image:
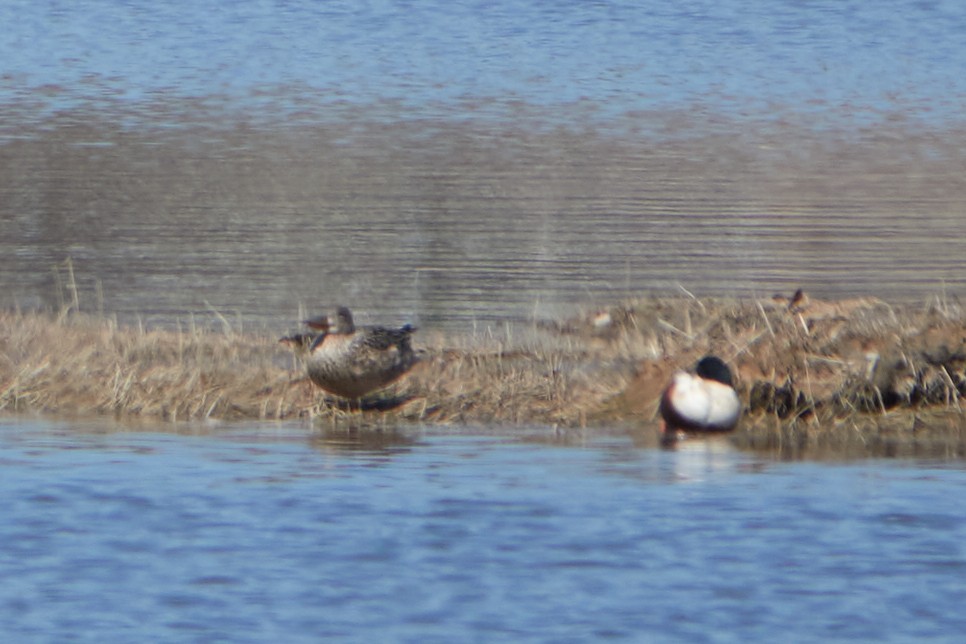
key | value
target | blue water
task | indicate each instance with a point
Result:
(829, 60)
(285, 533)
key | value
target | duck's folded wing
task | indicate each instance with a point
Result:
(382, 339)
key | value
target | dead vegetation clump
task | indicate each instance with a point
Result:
(809, 373)
(78, 364)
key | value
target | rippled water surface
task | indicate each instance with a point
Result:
(282, 532)
(612, 57)
(454, 163)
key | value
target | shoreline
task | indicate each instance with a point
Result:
(855, 374)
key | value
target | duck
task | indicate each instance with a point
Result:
(705, 401)
(351, 361)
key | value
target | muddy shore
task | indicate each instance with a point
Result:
(850, 375)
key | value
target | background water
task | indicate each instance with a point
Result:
(452, 163)
(269, 532)
(435, 58)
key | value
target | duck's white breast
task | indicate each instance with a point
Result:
(724, 406)
(690, 399)
(705, 403)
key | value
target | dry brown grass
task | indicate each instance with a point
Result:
(485, 380)
(811, 373)
(80, 364)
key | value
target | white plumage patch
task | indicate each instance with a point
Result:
(704, 403)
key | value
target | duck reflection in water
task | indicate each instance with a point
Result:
(373, 442)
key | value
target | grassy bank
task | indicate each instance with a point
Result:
(859, 372)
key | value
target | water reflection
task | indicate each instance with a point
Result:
(471, 224)
(381, 444)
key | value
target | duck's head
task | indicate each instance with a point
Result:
(713, 368)
(339, 321)
(318, 323)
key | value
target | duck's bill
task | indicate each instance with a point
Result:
(320, 323)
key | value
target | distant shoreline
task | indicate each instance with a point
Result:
(848, 374)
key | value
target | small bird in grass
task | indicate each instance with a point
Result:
(703, 402)
(351, 361)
